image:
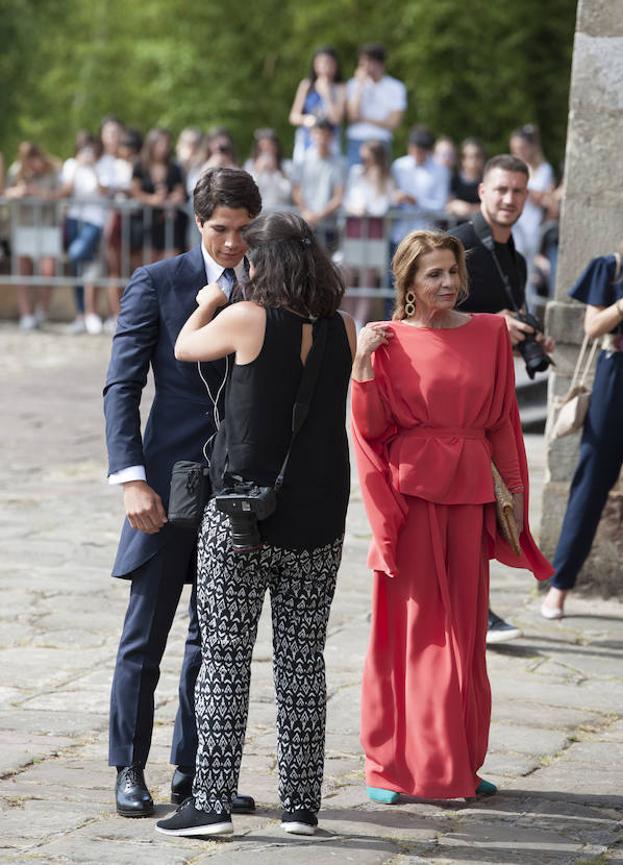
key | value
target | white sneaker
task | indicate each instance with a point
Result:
(77, 326)
(110, 325)
(93, 324)
(28, 322)
(40, 316)
(551, 612)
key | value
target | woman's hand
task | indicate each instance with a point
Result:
(518, 510)
(213, 295)
(370, 338)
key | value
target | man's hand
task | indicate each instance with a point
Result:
(518, 329)
(143, 507)
(403, 198)
(548, 342)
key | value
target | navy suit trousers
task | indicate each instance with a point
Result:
(601, 457)
(154, 596)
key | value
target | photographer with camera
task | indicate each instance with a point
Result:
(497, 282)
(281, 477)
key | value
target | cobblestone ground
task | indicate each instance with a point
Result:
(556, 739)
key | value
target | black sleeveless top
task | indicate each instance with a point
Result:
(311, 509)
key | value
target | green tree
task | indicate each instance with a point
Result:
(477, 68)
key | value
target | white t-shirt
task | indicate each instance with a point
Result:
(363, 197)
(378, 100)
(84, 182)
(527, 229)
(114, 174)
(318, 178)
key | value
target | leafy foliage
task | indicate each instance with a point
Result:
(473, 67)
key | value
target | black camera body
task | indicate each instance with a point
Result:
(532, 352)
(246, 504)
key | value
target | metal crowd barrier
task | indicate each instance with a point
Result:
(36, 228)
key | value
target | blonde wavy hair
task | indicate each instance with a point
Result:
(405, 263)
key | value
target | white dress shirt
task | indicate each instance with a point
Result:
(214, 272)
(428, 183)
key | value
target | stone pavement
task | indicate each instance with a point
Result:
(556, 739)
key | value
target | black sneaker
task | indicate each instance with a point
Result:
(301, 822)
(500, 631)
(189, 821)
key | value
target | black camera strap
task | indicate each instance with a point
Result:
(305, 393)
(483, 232)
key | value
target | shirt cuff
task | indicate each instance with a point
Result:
(132, 473)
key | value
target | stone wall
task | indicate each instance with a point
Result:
(591, 224)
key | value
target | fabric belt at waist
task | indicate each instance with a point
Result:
(445, 432)
(612, 342)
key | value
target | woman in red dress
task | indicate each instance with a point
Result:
(433, 406)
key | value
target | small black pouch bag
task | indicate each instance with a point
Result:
(189, 494)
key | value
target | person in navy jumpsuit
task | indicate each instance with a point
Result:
(601, 450)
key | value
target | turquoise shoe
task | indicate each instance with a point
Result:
(486, 788)
(387, 797)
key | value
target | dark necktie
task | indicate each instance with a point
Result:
(227, 280)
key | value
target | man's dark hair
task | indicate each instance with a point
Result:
(507, 163)
(324, 124)
(420, 136)
(226, 187)
(290, 268)
(132, 139)
(373, 50)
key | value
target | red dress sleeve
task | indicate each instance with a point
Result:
(374, 428)
(372, 413)
(509, 454)
(501, 433)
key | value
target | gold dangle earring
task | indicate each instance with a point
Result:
(409, 304)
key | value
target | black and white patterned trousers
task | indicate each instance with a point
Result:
(230, 593)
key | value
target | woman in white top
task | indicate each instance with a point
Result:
(115, 177)
(525, 144)
(270, 171)
(369, 192)
(35, 231)
(84, 225)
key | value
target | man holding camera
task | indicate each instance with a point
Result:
(497, 282)
(157, 557)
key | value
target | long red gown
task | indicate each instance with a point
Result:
(441, 407)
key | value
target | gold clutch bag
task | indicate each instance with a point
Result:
(505, 512)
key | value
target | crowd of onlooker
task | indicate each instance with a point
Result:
(342, 177)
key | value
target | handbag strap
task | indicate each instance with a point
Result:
(307, 386)
(617, 269)
(582, 368)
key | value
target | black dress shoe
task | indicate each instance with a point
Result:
(131, 794)
(182, 788)
(242, 804)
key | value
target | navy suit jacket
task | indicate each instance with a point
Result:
(156, 303)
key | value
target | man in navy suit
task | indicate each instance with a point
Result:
(159, 558)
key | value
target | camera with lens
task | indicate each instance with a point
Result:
(246, 504)
(532, 352)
